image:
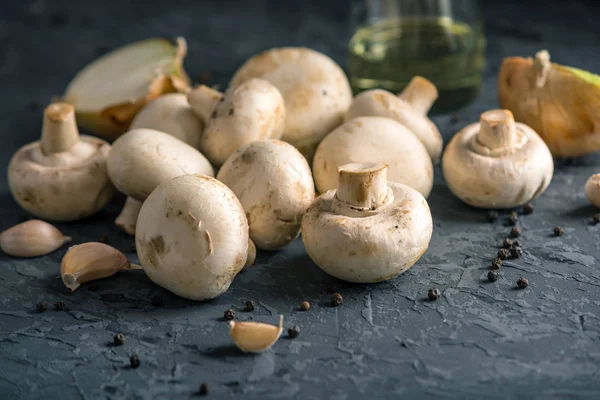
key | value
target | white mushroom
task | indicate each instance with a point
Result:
(410, 108)
(316, 92)
(497, 163)
(374, 139)
(252, 110)
(63, 176)
(192, 236)
(367, 230)
(273, 182)
(592, 189)
(142, 159)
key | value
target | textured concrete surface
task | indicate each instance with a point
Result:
(479, 340)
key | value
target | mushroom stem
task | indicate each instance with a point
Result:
(420, 93)
(204, 100)
(497, 130)
(127, 218)
(541, 66)
(59, 131)
(362, 189)
(251, 254)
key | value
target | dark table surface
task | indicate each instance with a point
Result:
(480, 340)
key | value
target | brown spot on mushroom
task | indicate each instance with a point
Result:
(248, 157)
(231, 112)
(351, 253)
(158, 244)
(368, 249)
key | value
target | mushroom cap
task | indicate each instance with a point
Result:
(192, 236)
(381, 103)
(315, 89)
(45, 185)
(273, 182)
(253, 110)
(368, 249)
(142, 159)
(171, 113)
(374, 139)
(505, 177)
(592, 189)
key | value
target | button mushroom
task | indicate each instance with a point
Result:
(592, 189)
(374, 139)
(316, 92)
(497, 163)
(252, 110)
(368, 230)
(44, 176)
(410, 108)
(273, 182)
(192, 236)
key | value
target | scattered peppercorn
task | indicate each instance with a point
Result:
(434, 294)
(103, 239)
(229, 314)
(516, 252)
(293, 331)
(119, 339)
(336, 299)
(250, 305)
(493, 276)
(507, 242)
(203, 391)
(496, 263)
(503, 254)
(596, 219)
(558, 231)
(60, 305)
(454, 118)
(516, 243)
(492, 216)
(513, 218)
(305, 306)
(331, 288)
(515, 232)
(522, 283)
(134, 361)
(528, 209)
(158, 301)
(42, 306)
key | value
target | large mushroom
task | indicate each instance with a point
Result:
(44, 176)
(368, 230)
(273, 182)
(252, 110)
(497, 163)
(374, 139)
(410, 108)
(315, 89)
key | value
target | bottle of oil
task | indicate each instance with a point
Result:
(441, 40)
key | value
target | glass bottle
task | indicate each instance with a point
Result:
(441, 40)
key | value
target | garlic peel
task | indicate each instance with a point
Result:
(255, 337)
(32, 238)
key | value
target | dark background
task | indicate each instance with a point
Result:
(478, 341)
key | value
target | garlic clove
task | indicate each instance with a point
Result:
(89, 261)
(32, 238)
(255, 337)
(108, 93)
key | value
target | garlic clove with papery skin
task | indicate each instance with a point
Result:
(90, 261)
(32, 239)
(255, 337)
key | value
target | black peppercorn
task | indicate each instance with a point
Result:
(528, 209)
(42, 306)
(336, 299)
(229, 314)
(434, 293)
(522, 283)
(513, 218)
(293, 331)
(250, 305)
(515, 232)
(496, 263)
(596, 219)
(203, 391)
(134, 361)
(516, 243)
(492, 216)
(516, 252)
(60, 305)
(503, 254)
(119, 339)
(305, 306)
(507, 242)
(558, 231)
(493, 276)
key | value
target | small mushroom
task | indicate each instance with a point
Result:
(192, 237)
(592, 189)
(368, 230)
(63, 176)
(142, 159)
(253, 110)
(374, 139)
(315, 89)
(273, 182)
(497, 163)
(410, 108)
